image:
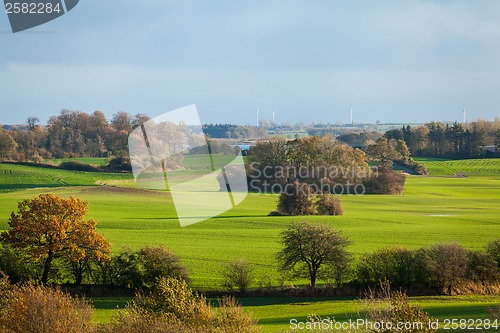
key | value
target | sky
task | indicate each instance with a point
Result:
(309, 60)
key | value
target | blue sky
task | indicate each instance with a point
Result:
(311, 61)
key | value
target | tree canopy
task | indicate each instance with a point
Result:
(308, 247)
(51, 227)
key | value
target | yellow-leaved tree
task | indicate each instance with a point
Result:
(51, 227)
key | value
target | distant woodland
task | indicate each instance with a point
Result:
(78, 134)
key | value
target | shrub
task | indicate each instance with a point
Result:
(386, 181)
(493, 251)
(329, 204)
(120, 163)
(481, 268)
(297, 200)
(238, 273)
(39, 309)
(158, 261)
(172, 307)
(393, 307)
(300, 199)
(448, 265)
(394, 264)
(78, 166)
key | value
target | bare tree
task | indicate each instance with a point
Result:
(238, 273)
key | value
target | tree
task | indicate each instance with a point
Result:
(307, 247)
(383, 151)
(238, 273)
(51, 227)
(448, 264)
(122, 121)
(7, 144)
(32, 121)
(122, 270)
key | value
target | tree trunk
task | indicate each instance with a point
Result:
(313, 278)
(46, 268)
(78, 271)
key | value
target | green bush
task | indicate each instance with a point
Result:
(16, 264)
(493, 251)
(158, 261)
(394, 264)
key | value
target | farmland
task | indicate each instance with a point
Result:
(432, 209)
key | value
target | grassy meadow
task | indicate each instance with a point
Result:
(436, 208)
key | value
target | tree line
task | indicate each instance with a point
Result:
(70, 134)
(436, 139)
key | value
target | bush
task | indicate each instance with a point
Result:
(172, 307)
(120, 164)
(493, 251)
(394, 264)
(393, 307)
(39, 309)
(122, 270)
(329, 204)
(238, 273)
(448, 265)
(300, 199)
(481, 268)
(297, 200)
(158, 261)
(386, 181)
(78, 166)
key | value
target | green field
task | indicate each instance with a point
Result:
(432, 209)
(476, 167)
(16, 177)
(274, 314)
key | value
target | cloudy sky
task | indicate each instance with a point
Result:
(311, 61)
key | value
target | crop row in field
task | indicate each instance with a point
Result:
(476, 167)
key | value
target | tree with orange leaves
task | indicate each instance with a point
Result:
(51, 227)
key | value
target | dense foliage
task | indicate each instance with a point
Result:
(51, 227)
(455, 140)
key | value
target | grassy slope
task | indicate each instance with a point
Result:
(17, 177)
(433, 209)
